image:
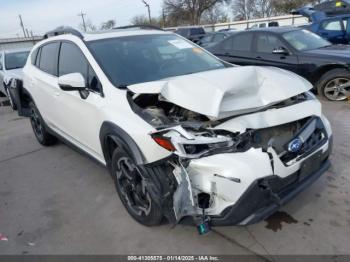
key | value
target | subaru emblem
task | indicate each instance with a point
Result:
(295, 145)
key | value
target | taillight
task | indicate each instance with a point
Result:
(164, 142)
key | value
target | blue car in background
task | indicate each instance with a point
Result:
(336, 28)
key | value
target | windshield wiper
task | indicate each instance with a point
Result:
(325, 46)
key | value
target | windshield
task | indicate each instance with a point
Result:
(137, 59)
(303, 40)
(15, 60)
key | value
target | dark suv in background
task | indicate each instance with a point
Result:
(325, 65)
(195, 34)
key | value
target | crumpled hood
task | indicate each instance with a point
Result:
(13, 74)
(226, 92)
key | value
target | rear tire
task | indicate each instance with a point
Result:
(133, 186)
(329, 87)
(39, 127)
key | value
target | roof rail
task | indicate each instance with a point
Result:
(62, 30)
(143, 27)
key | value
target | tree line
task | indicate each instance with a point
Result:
(195, 12)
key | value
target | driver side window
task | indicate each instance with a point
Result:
(72, 60)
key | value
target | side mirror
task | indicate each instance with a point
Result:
(72, 82)
(280, 51)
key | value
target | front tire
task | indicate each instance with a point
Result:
(39, 127)
(334, 85)
(133, 186)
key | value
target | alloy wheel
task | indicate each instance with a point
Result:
(132, 186)
(337, 89)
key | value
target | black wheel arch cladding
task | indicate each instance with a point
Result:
(158, 176)
(111, 132)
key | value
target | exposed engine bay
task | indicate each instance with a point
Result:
(194, 139)
(159, 112)
(229, 139)
(194, 135)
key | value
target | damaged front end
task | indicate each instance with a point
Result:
(238, 167)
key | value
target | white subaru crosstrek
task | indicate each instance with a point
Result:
(183, 134)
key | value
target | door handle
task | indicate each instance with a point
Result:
(258, 57)
(56, 94)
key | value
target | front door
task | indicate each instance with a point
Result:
(79, 112)
(265, 46)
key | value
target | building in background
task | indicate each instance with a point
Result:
(18, 43)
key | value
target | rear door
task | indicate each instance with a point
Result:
(333, 30)
(43, 82)
(237, 49)
(265, 44)
(346, 23)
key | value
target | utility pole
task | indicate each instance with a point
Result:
(82, 17)
(149, 11)
(163, 13)
(21, 23)
(246, 12)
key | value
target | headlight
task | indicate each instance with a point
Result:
(197, 144)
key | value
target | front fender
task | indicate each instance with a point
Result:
(120, 138)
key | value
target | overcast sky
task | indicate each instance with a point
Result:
(41, 16)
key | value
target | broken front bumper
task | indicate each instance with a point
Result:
(265, 196)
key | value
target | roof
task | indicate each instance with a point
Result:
(121, 33)
(279, 30)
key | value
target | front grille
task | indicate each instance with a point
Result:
(314, 140)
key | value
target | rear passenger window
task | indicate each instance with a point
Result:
(72, 60)
(48, 58)
(227, 44)
(219, 37)
(242, 42)
(332, 25)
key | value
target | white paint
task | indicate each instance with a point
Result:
(73, 80)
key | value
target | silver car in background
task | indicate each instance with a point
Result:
(11, 65)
